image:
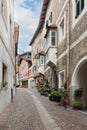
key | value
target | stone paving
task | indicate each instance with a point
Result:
(66, 119)
(21, 114)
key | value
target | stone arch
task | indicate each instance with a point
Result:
(79, 79)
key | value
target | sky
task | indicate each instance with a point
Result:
(26, 14)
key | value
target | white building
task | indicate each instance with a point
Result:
(7, 52)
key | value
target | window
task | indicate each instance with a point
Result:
(53, 38)
(62, 28)
(34, 69)
(61, 79)
(4, 73)
(50, 18)
(79, 7)
(41, 60)
(47, 22)
(24, 82)
(45, 59)
(4, 10)
(2, 6)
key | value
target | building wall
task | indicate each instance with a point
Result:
(72, 47)
(23, 70)
(7, 51)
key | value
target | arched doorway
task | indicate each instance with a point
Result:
(79, 79)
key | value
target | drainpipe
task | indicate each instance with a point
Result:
(68, 43)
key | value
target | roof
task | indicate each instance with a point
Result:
(42, 19)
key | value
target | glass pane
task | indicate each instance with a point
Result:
(62, 28)
(82, 5)
(53, 34)
(53, 40)
(78, 8)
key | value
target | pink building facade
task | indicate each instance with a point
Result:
(23, 70)
(25, 75)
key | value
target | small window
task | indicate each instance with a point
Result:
(50, 18)
(3, 10)
(2, 6)
(47, 24)
(4, 74)
(62, 28)
(53, 38)
(61, 79)
(34, 69)
(79, 7)
(41, 60)
(24, 82)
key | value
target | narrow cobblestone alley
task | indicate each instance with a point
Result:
(31, 111)
(21, 114)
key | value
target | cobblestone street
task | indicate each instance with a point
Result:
(30, 111)
(21, 114)
(66, 119)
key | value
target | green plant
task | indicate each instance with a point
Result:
(5, 83)
(77, 105)
(64, 95)
(44, 89)
(54, 95)
(78, 92)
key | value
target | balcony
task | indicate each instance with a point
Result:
(41, 69)
(51, 58)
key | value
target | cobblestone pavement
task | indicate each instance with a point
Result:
(21, 114)
(67, 119)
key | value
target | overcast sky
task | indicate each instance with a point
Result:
(26, 14)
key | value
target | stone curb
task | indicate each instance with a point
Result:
(47, 120)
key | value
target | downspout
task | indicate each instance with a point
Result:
(68, 44)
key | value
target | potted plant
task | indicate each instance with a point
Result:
(77, 105)
(54, 96)
(64, 99)
(78, 93)
(5, 84)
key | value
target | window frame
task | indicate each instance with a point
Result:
(61, 38)
(62, 28)
(63, 71)
(53, 31)
(74, 19)
(4, 73)
(50, 18)
(41, 60)
(79, 7)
